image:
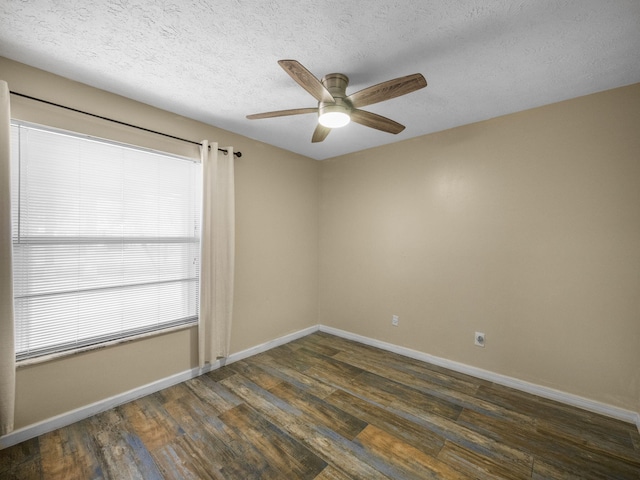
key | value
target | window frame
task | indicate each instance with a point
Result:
(101, 341)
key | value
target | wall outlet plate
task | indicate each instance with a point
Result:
(479, 339)
(395, 320)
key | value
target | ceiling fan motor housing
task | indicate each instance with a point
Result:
(336, 84)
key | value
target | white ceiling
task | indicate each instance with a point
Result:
(216, 61)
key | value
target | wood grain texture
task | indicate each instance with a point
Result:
(326, 408)
(387, 90)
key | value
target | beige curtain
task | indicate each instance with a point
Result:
(217, 253)
(7, 346)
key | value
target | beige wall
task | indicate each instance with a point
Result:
(525, 227)
(276, 250)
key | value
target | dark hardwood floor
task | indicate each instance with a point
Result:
(326, 408)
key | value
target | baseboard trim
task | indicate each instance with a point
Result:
(263, 347)
(65, 419)
(545, 392)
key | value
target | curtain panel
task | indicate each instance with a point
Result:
(7, 346)
(217, 253)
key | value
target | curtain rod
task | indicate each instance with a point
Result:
(237, 154)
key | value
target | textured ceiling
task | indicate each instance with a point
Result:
(216, 61)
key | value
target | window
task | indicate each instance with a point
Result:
(106, 240)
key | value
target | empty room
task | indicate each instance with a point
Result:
(319, 240)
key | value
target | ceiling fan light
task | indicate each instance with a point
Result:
(334, 119)
(333, 115)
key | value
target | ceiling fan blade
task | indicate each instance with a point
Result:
(306, 80)
(387, 90)
(282, 113)
(320, 133)
(378, 122)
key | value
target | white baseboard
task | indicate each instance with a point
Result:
(250, 352)
(87, 411)
(81, 413)
(64, 419)
(545, 392)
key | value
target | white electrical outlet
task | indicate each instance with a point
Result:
(394, 320)
(479, 339)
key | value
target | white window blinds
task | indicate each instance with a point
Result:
(106, 240)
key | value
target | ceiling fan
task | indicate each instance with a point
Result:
(335, 108)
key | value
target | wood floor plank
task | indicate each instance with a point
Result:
(635, 438)
(334, 381)
(481, 445)
(541, 408)
(218, 447)
(310, 342)
(30, 470)
(332, 473)
(210, 392)
(70, 453)
(369, 358)
(184, 459)
(220, 374)
(21, 461)
(411, 461)
(285, 454)
(327, 364)
(459, 434)
(442, 390)
(476, 465)
(420, 438)
(172, 393)
(323, 413)
(122, 453)
(592, 439)
(289, 353)
(583, 471)
(278, 367)
(504, 429)
(256, 374)
(192, 414)
(320, 440)
(327, 408)
(150, 422)
(566, 456)
(398, 394)
(442, 426)
(364, 384)
(405, 374)
(347, 345)
(590, 432)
